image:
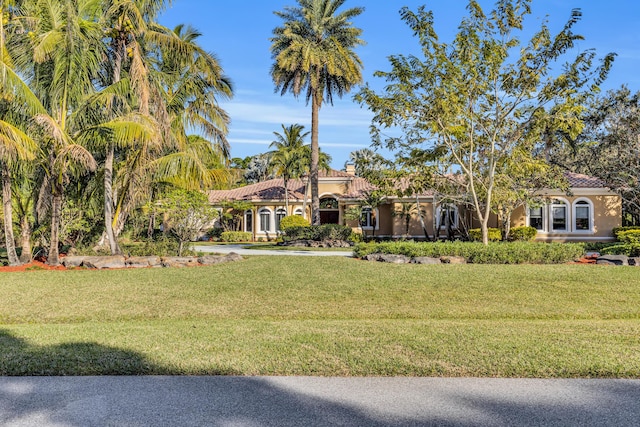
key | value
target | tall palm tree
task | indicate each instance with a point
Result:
(17, 105)
(59, 51)
(288, 156)
(313, 52)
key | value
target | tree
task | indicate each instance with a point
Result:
(609, 148)
(366, 161)
(313, 52)
(187, 215)
(288, 156)
(476, 102)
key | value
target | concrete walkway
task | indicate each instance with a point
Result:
(240, 249)
(313, 401)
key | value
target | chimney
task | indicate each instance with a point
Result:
(350, 168)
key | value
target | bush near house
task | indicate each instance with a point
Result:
(317, 232)
(495, 235)
(235, 236)
(628, 242)
(477, 253)
(292, 221)
(522, 234)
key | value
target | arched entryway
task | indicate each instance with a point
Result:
(329, 210)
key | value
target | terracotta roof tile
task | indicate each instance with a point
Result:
(578, 180)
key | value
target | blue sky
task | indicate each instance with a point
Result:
(238, 33)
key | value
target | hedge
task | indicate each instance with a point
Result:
(236, 236)
(522, 234)
(473, 252)
(318, 232)
(495, 235)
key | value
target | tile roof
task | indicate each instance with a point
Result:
(578, 180)
(358, 187)
(272, 189)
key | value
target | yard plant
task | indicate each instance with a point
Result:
(324, 316)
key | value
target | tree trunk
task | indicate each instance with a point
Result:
(315, 155)
(26, 255)
(8, 216)
(422, 224)
(108, 201)
(304, 201)
(56, 210)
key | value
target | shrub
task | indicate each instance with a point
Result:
(333, 232)
(292, 221)
(522, 234)
(475, 252)
(495, 235)
(318, 232)
(298, 232)
(629, 236)
(236, 236)
(629, 249)
(160, 247)
(617, 230)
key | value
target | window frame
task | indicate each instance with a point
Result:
(583, 202)
(267, 212)
(248, 221)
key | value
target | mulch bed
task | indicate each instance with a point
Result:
(31, 266)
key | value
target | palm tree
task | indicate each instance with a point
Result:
(313, 52)
(59, 51)
(288, 157)
(17, 105)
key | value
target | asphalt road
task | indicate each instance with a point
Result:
(314, 401)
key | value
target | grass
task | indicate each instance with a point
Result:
(324, 316)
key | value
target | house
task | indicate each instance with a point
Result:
(589, 214)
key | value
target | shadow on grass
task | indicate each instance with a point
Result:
(20, 358)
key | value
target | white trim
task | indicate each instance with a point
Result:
(298, 211)
(578, 238)
(577, 192)
(574, 205)
(244, 217)
(271, 224)
(456, 217)
(276, 224)
(375, 216)
(567, 215)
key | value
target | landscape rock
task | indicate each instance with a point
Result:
(634, 261)
(613, 260)
(175, 261)
(372, 257)
(100, 262)
(453, 260)
(143, 261)
(394, 259)
(232, 256)
(426, 260)
(72, 261)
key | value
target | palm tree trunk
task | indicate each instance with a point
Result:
(25, 238)
(315, 155)
(56, 211)
(8, 216)
(108, 201)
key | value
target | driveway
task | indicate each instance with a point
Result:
(240, 249)
(315, 401)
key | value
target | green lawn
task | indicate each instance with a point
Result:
(324, 316)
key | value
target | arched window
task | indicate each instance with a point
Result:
(298, 212)
(248, 221)
(328, 203)
(280, 213)
(583, 215)
(265, 220)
